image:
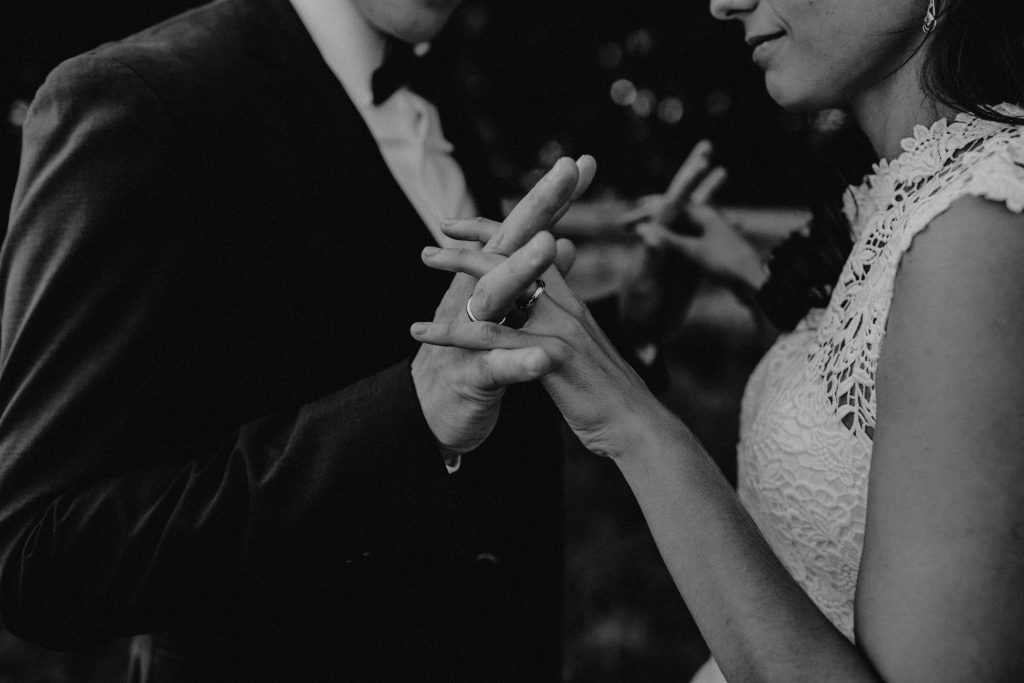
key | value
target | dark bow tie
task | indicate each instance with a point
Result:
(401, 67)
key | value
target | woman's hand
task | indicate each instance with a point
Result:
(685, 220)
(602, 399)
(460, 391)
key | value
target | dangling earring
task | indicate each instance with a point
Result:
(929, 18)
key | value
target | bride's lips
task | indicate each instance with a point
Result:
(764, 45)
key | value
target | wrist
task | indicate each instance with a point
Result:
(665, 451)
(653, 432)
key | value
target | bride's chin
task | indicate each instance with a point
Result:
(792, 98)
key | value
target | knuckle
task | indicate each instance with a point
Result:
(560, 351)
(575, 330)
(496, 244)
(535, 364)
(483, 301)
(490, 333)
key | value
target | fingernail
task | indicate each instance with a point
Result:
(558, 162)
(430, 251)
(418, 328)
(449, 221)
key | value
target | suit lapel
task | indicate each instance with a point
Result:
(288, 45)
(340, 278)
(313, 104)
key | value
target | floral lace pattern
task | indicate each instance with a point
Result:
(808, 413)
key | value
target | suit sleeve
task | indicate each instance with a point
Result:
(114, 519)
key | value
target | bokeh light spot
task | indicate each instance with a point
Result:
(639, 42)
(550, 152)
(644, 103)
(670, 110)
(623, 92)
(18, 113)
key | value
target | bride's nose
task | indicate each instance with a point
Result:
(731, 9)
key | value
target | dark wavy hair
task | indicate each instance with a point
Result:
(974, 60)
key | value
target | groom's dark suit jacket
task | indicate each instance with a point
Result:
(208, 428)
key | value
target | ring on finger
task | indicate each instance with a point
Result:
(469, 312)
(530, 302)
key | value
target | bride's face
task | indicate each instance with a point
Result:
(818, 54)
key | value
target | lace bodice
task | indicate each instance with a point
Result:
(808, 413)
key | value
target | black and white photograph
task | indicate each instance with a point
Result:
(482, 341)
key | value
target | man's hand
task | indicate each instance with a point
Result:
(460, 391)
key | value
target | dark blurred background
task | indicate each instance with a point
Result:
(635, 83)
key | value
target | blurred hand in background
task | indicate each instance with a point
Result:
(686, 220)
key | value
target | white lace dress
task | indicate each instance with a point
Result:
(808, 412)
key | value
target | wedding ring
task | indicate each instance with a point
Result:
(469, 312)
(529, 303)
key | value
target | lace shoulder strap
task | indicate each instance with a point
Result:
(845, 352)
(993, 169)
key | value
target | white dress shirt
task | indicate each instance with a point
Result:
(407, 127)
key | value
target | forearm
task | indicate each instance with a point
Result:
(757, 621)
